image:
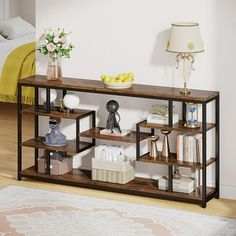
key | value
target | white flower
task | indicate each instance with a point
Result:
(57, 33)
(66, 45)
(56, 40)
(63, 39)
(51, 47)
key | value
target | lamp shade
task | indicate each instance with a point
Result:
(185, 37)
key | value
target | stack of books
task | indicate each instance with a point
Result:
(182, 185)
(189, 147)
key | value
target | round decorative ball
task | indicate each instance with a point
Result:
(71, 101)
(53, 95)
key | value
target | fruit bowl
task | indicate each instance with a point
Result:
(118, 85)
(122, 81)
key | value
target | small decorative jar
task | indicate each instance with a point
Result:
(192, 115)
(54, 71)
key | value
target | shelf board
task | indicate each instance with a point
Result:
(138, 186)
(38, 143)
(176, 127)
(41, 111)
(137, 90)
(129, 138)
(174, 161)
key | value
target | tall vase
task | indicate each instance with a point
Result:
(165, 148)
(153, 151)
(54, 71)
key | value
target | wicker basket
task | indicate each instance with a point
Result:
(113, 172)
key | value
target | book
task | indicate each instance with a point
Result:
(189, 147)
(180, 146)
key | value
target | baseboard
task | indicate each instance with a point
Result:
(228, 191)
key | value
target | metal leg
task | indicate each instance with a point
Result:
(19, 133)
(48, 162)
(170, 179)
(170, 168)
(137, 142)
(170, 113)
(184, 111)
(217, 145)
(94, 125)
(48, 104)
(204, 153)
(36, 130)
(77, 135)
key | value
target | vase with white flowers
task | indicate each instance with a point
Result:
(55, 43)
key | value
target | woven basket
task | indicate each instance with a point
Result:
(113, 172)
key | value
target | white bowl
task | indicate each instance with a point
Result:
(118, 85)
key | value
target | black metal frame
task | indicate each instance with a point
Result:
(204, 197)
(36, 129)
(215, 194)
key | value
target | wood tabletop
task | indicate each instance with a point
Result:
(137, 90)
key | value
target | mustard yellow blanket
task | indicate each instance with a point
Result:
(19, 64)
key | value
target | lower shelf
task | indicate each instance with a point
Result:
(139, 186)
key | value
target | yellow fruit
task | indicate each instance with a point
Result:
(113, 79)
(103, 77)
(128, 79)
(121, 77)
(131, 75)
(107, 79)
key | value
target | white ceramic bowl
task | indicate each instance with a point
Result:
(118, 85)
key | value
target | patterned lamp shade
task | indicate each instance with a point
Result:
(185, 37)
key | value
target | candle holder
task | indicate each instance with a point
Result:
(154, 151)
(165, 148)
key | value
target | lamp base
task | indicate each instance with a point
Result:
(185, 90)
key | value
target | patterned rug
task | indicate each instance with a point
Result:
(33, 212)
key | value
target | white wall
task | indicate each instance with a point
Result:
(23, 8)
(114, 36)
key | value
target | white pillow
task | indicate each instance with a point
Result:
(15, 27)
(2, 38)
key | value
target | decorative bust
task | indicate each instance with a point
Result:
(55, 137)
(112, 124)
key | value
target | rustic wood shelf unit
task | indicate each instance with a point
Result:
(139, 186)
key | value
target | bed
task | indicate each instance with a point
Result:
(17, 58)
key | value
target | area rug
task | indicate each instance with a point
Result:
(34, 212)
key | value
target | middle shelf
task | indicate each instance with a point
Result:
(129, 138)
(38, 142)
(174, 162)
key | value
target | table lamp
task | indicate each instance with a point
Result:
(185, 40)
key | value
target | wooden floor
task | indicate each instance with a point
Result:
(8, 141)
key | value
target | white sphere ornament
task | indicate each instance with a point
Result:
(53, 95)
(71, 101)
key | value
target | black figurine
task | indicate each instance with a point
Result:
(112, 107)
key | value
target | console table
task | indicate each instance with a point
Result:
(139, 186)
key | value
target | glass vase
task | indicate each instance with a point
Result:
(54, 71)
